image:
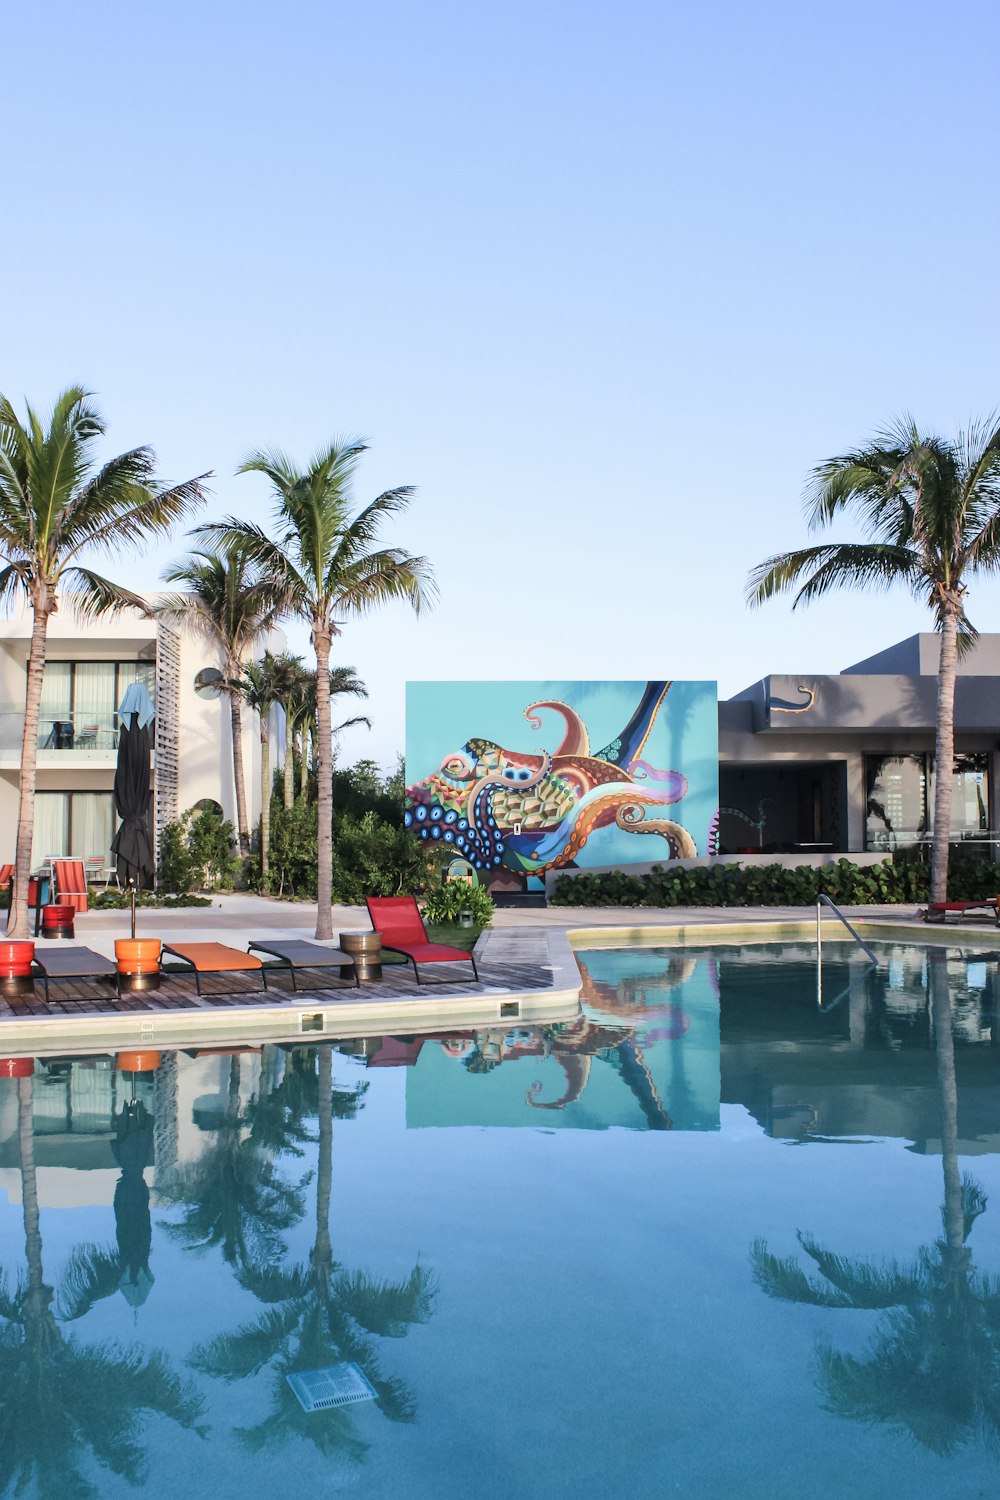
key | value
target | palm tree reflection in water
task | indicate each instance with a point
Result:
(933, 1364)
(60, 1399)
(319, 1314)
(233, 1195)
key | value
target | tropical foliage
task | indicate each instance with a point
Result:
(57, 505)
(929, 510)
(773, 885)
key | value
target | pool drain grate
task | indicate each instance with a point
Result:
(335, 1385)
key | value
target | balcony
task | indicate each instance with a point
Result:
(80, 739)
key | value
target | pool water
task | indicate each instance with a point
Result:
(708, 1238)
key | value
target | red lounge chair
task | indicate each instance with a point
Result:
(70, 880)
(939, 911)
(398, 920)
(6, 876)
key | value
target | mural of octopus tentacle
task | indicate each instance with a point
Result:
(576, 740)
(533, 812)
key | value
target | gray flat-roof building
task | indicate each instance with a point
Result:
(846, 763)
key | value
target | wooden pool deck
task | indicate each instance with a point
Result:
(517, 982)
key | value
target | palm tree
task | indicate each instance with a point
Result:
(325, 560)
(343, 680)
(933, 1365)
(294, 678)
(261, 686)
(317, 1315)
(229, 604)
(930, 511)
(55, 504)
(58, 1396)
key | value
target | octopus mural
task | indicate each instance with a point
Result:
(497, 806)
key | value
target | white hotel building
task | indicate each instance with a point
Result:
(88, 667)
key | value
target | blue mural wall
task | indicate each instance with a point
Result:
(523, 777)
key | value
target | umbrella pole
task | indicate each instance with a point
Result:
(131, 887)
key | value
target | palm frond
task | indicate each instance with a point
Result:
(92, 596)
(830, 566)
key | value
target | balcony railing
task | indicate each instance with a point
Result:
(80, 732)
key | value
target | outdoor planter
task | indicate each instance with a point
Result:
(16, 1067)
(16, 959)
(137, 1062)
(57, 921)
(138, 963)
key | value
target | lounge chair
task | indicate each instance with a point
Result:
(939, 911)
(397, 919)
(69, 883)
(60, 965)
(296, 953)
(216, 958)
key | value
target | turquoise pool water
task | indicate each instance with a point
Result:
(705, 1240)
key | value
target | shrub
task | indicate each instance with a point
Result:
(774, 885)
(197, 851)
(447, 901)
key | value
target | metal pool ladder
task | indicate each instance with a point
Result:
(823, 900)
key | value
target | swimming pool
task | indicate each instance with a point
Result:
(704, 1239)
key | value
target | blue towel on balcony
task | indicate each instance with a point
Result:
(137, 701)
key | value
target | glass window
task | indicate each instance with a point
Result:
(50, 839)
(970, 797)
(90, 825)
(896, 793)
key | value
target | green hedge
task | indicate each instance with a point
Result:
(774, 885)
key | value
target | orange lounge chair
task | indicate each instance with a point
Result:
(216, 958)
(6, 876)
(70, 881)
(398, 920)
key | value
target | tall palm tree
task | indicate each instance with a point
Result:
(325, 559)
(317, 1315)
(343, 681)
(260, 686)
(55, 505)
(933, 1364)
(228, 603)
(60, 1398)
(930, 512)
(295, 676)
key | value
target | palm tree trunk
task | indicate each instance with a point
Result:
(324, 1165)
(289, 760)
(944, 1045)
(944, 754)
(304, 762)
(265, 797)
(17, 920)
(324, 784)
(40, 1325)
(242, 821)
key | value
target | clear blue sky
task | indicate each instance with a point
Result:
(603, 281)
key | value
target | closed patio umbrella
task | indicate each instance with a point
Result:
(131, 844)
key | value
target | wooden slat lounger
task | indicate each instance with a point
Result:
(939, 911)
(60, 964)
(297, 953)
(216, 958)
